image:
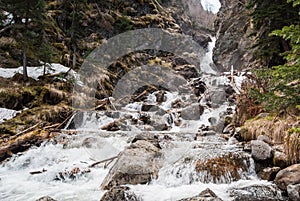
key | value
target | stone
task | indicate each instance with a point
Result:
(137, 164)
(257, 193)
(119, 193)
(187, 71)
(192, 112)
(224, 168)
(45, 198)
(287, 176)
(280, 159)
(269, 173)
(260, 150)
(149, 107)
(205, 195)
(293, 192)
(265, 139)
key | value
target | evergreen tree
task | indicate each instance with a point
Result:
(70, 23)
(283, 81)
(28, 24)
(269, 15)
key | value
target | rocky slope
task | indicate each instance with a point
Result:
(233, 27)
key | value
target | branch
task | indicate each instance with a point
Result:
(103, 161)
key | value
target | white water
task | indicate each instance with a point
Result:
(176, 179)
(65, 153)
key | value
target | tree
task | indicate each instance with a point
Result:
(73, 13)
(269, 15)
(283, 81)
(27, 24)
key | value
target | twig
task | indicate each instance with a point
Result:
(73, 113)
(38, 172)
(51, 126)
(103, 161)
(27, 130)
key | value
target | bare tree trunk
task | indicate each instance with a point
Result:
(25, 74)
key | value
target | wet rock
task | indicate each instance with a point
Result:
(45, 198)
(199, 87)
(119, 193)
(149, 137)
(260, 150)
(112, 114)
(206, 195)
(280, 159)
(257, 193)
(269, 173)
(149, 107)
(160, 96)
(71, 174)
(192, 112)
(217, 97)
(294, 192)
(137, 164)
(229, 90)
(161, 112)
(287, 176)
(223, 169)
(187, 71)
(201, 39)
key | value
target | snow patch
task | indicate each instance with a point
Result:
(34, 72)
(6, 114)
(211, 5)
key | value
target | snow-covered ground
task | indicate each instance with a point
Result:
(211, 5)
(6, 114)
(34, 72)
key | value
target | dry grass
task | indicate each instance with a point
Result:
(284, 131)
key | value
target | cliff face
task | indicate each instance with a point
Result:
(233, 27)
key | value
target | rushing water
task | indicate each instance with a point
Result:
(47, 170)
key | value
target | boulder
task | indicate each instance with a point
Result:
(192, 112)
(206, 195)
(293, 192)
(119, 193)
(45, 198)
(265, 139)
(287, 176)
(280, 159)
(137, 164)
(257, 193)
(269, 173)
(225, 168)
(260, 150)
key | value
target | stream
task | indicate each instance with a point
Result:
(60, 167)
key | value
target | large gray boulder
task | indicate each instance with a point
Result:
(287, 176)
(260, 150)
(137, 164)
(192, 112)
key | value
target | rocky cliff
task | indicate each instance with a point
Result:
(233, 27)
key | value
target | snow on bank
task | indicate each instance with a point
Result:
(211, 5)
(6, 114)
(34, 72)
